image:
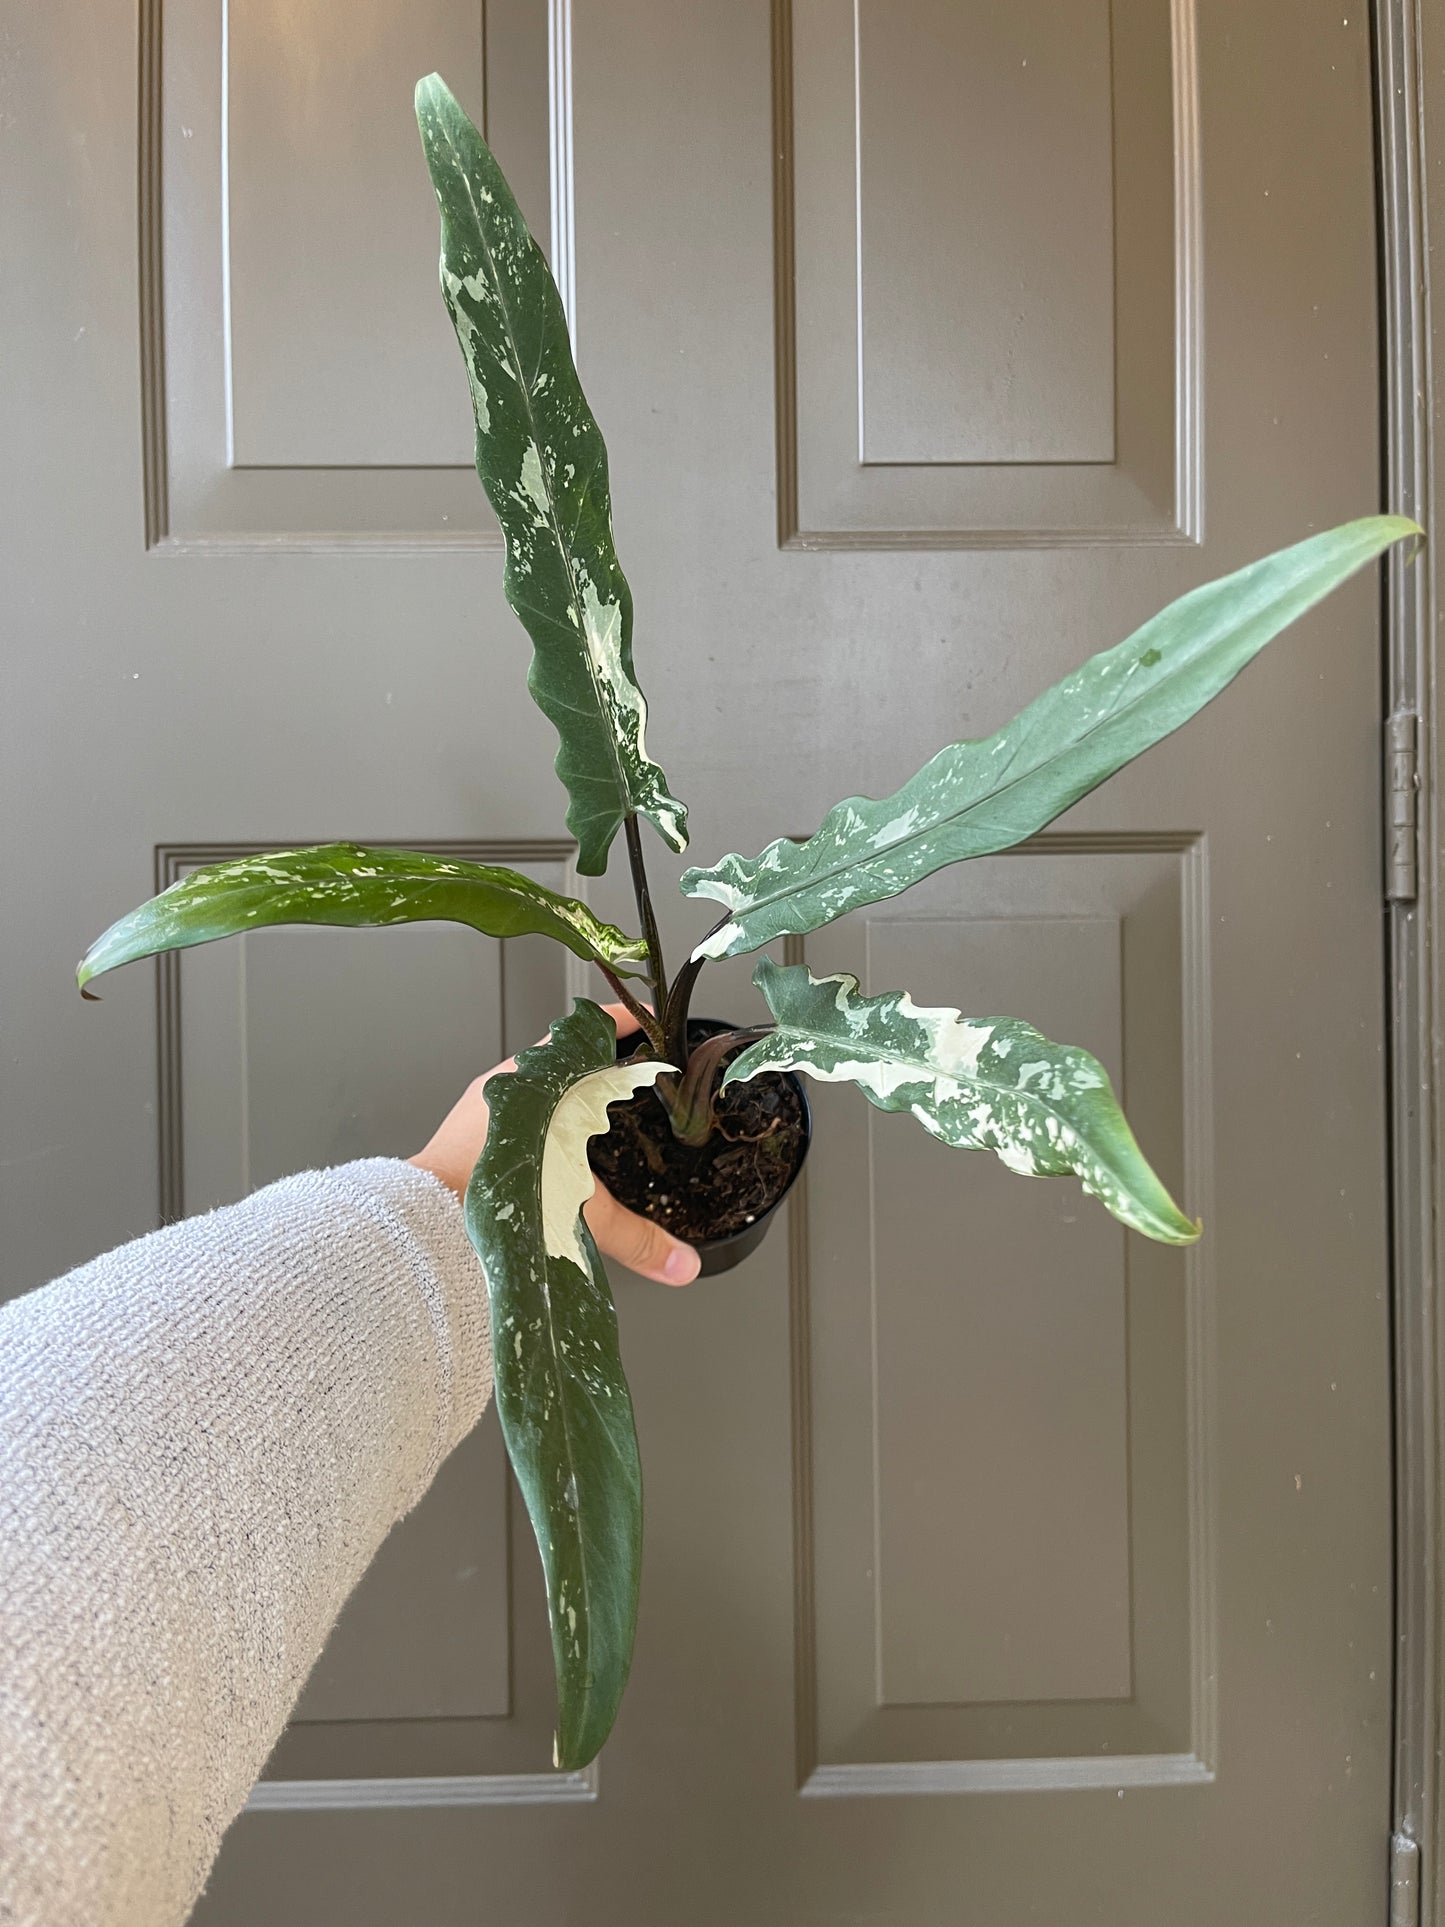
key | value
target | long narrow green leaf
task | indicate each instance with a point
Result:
(543, 463)
(977, 797)
(561, 1394)
(344, 883)
(982, 1083)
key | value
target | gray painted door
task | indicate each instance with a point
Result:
(1000, 1567)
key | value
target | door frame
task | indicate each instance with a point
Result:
(1409, 94)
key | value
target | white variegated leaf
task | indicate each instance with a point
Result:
(976, 797)
(351, 885)
(568, 1180)
(543, 464)
(981, 1083)
(561, 1393)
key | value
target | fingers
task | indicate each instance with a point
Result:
(633, 1240)
(636, 1242)
(639, 1244)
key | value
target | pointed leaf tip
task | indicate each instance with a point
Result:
(543, 463)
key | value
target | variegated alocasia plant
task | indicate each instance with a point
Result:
(981, 1083)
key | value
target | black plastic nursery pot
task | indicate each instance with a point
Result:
(734, 1181)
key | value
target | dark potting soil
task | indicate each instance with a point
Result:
(710, 1190)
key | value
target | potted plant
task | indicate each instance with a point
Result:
(690, 1102)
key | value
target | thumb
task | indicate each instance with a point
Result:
(637, 1242)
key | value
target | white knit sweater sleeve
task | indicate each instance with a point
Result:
(204, 1438)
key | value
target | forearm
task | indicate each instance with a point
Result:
(204, 1437)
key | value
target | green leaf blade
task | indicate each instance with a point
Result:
(992, 1084)
(974, 798)
(561, 1391)
(543, 463)
(350, 885)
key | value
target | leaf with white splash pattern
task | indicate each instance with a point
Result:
(350, 885)
(977, 797)
(543, 464)
(980, 1083)
(561, 1393)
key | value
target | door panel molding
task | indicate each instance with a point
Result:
(830, 494)
(461, 1691)
(420, 1790)
(1173, 1695)
(1005, 1776)
(198, 495)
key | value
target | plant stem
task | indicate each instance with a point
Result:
(692, 1114)
(656, 969)
(646, 1022)
(674, 1018)
(674, 1023)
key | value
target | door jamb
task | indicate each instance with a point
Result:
(1404, 92)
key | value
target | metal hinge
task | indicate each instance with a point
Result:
(1404, 1881)
(1402, 807)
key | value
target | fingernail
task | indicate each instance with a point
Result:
(682, 1266)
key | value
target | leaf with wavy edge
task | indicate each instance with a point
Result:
(561, 1393)
(543, 464)
(346, 883)
(981, 1083)
(977, 797)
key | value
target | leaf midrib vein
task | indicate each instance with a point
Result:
(563, 548)
(818, 878)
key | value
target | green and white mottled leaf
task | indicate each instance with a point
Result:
(543, 464)
(561, 1394)
(981, 1083)
(346, 883)
(977, 797)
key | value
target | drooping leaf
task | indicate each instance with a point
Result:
(543, 464)
(981, 1083)
(345, 883)
(976, 797)
(561, 1395)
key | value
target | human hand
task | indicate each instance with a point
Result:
(633, 1240)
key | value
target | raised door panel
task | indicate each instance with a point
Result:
(988, 273)
(985, 218)
(1003, 1553)
(291, 1049)
(302, 386)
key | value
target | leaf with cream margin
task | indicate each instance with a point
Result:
(977, 797)
(981, 1083)
(561, 1394)
(349, 884)
(543, 464)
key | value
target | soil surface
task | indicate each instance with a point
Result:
(711, 1190)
